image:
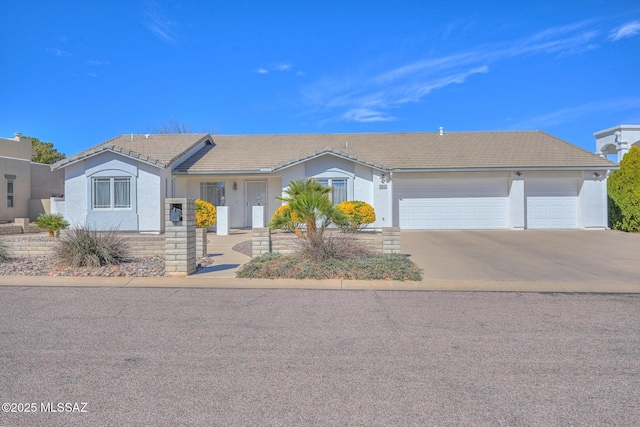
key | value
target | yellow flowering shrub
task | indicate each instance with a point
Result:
(358, 214)
(206, 215)
(285, 219)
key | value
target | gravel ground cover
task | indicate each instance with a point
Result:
(47, 266)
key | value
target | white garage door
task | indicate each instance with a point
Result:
(552, 203)
(441, 205)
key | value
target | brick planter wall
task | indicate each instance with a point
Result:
(386, 242)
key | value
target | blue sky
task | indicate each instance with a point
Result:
(79, 73)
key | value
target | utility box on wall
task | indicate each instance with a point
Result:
(180, 236)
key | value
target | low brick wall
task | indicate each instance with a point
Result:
(140, 247)
(19, 229)
(264, 241)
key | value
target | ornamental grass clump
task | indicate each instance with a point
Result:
(4, 252)
(88, 247)
(206, 214)
(53, 223)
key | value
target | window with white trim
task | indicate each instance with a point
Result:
(212, 192)
(339, 191)
(9, 193)
(111, 193)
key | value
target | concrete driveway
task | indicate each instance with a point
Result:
(530, 255)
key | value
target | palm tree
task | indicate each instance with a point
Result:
(309, 199)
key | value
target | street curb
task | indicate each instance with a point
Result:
(194, 282)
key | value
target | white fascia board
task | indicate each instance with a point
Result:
(324, 153)
(618, 127)
(110, 150)
(238, 172)
(512, 169)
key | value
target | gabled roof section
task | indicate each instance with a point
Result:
(160, 150)
(394, 152)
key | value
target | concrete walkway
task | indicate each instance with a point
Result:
(227, 261)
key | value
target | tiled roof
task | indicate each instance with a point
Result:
(394, 151)
(159, 150)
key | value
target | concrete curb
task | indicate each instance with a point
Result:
(336, 284)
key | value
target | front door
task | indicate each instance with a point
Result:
(255, 195)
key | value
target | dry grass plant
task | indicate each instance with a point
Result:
(89, 247)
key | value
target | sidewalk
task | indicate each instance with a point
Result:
(222, 274)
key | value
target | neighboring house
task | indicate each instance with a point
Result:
(26, 186)
(617, 140)
(457, 180)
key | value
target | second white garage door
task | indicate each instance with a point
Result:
(462, 204)
(552, 203)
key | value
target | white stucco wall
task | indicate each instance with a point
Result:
(75, 195)
(147, 194)
(516, 203)
(592, 202)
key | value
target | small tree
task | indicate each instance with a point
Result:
(309, 200)
(206, 214)
(357, 214)
(44, 152)
(624, 193)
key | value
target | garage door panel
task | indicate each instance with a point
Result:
(552, 203)
(453, 204)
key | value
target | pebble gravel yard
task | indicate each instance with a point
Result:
(46, 265)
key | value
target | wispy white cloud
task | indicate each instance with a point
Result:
(59, 52)
(159, 24)
(367, 115)
(279, 67)
(92, 75)
(627, 30)
(98, 63)
(367, 98)
(574, 113)
(282, 67)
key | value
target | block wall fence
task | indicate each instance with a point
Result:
(264, 241)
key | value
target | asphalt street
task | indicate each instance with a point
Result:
(274, 357)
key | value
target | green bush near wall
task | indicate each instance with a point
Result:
(623, 187)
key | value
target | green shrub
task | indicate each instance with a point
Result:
(624, 193)
(87, 247)
(375, 267)
(52, 223)
(4, 252)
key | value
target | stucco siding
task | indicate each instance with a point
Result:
(75, 195)
(592, 202)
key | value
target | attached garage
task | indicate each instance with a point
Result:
(452, 204)
(551, 203)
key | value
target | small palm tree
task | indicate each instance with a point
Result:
(309, 199)
(52, 222)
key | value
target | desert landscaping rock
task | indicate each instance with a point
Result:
(46, 266)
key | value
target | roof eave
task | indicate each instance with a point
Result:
(117, 150)
(508, 169)
(233, 172)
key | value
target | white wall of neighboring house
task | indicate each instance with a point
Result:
(616, 141)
